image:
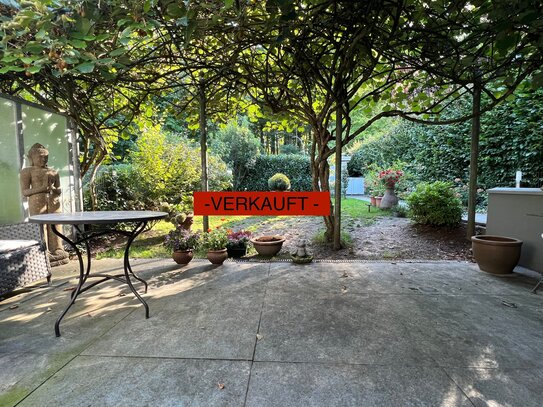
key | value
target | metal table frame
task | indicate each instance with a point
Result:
(139, 218)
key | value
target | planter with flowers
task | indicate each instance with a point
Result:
(237, 243)
(182, 242)
(389, 178)
(215, 241)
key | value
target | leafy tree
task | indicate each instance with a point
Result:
(237, 147)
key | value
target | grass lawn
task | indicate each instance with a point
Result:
(149, 244)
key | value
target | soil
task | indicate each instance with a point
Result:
(382, 238)
(387, 238)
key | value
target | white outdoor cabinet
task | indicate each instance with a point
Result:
(518, 212)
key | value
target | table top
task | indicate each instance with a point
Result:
(99, 217)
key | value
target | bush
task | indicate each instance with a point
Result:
(116, 189)
(296, 167)
(279, 182)
(435, 204)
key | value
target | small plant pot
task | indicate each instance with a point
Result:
(373, 201)
(268, 246)
(496, 254)
(183, 256)
(217, 256)
(236, 252)
(378, 200)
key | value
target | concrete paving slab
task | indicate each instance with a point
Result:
(383, 278)
(96, 381)
(342, 328)
(384, 333)
(301, 384)
(500, 387)
(21, 373)
(204, 312)
(478, 331)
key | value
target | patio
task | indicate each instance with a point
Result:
(276, 334)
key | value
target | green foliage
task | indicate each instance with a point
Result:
(164, 172)
(279, 182)
(435, 204)
(238, 147)
(215, 239)
(296, 167)
(116, 189)
(399, 211)
(511, 139)
(289, 149)
(167, 167)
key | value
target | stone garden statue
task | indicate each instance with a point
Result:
(41, 185)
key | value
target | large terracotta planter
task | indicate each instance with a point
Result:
(496, 254)
(268, 245)
(183, 256)
(217, 256)
(389, 199)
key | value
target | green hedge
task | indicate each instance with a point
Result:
(296, 167)
(511, 140)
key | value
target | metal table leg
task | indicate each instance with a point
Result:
(84, 272)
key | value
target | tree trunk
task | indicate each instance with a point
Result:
(203, 145)
(320, 172)
(473, 167)
(337, 183)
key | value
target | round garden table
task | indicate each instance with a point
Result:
(134, 223)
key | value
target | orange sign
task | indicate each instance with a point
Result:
(262, 203)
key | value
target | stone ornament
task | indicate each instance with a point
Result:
(40, 184)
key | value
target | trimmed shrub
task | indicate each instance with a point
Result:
(116, 189)
(435, 204)
(279, 182)
(296, 167)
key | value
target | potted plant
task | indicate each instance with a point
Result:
(389, 178)
(279, 182)
(215, 241)
(180, 214)
(182, 242)
(237, 243)
(268, 246)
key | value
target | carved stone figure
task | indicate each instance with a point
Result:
(41, 185)
(301, 250)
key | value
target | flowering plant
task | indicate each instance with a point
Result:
(390, 177)
(215, 239)
(180, 239)
(238, 239)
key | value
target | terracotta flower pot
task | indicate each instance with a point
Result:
(268, 245)
(496, 254)
(217, 256)
(378, 201)
(373, 202)
(182, 256)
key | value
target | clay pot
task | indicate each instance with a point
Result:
(496, 254)
(378, 200)
(183, 256)
(217, 256)
(268, 245)
(372, 201)
(389, 199)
